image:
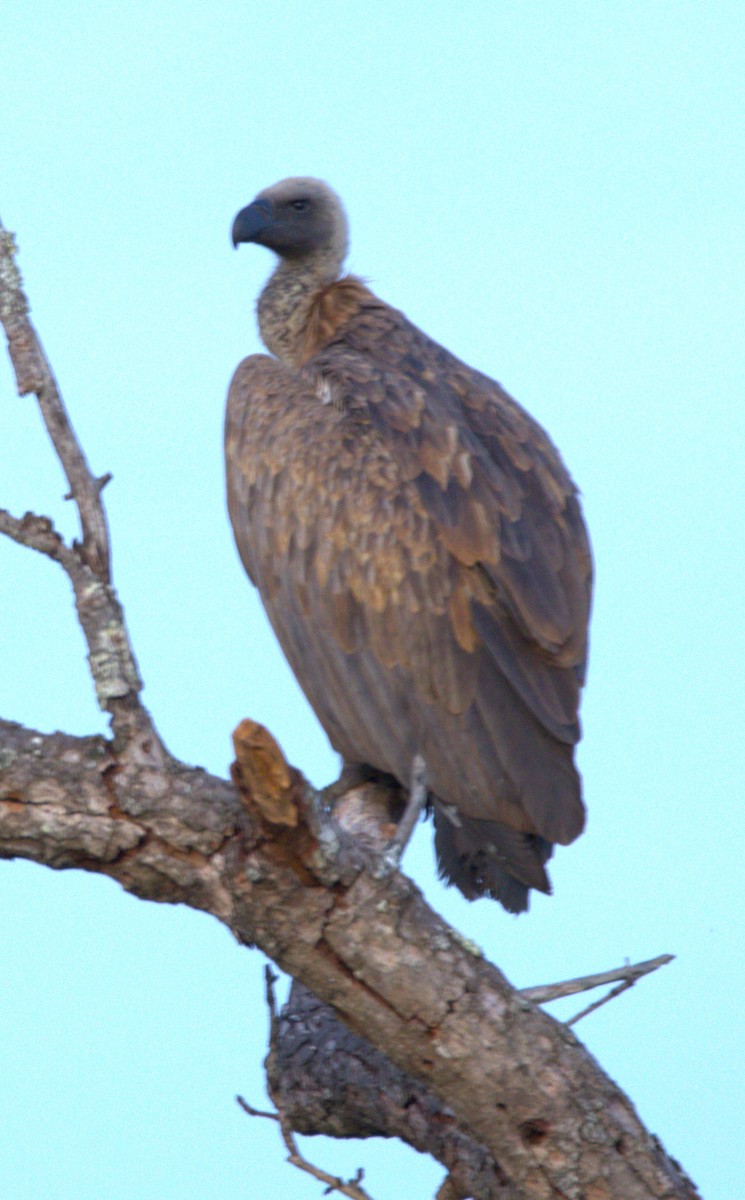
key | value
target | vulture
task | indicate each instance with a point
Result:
(419, 548)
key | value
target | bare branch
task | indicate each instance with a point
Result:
(327, 1080)
(350, 1188)
(591, 1008)
(162, 832)
(38, 533)
(273, 865)
(396, 973)
(256, 1112)
(629, 973)
(110, 657)
(34, 374)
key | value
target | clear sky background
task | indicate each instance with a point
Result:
(554, 190)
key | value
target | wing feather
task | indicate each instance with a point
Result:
(420, 552)
(498, 493)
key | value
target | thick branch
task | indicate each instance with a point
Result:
(326, 1079)
(34, 374)
(265, 858)
(66, 802)
(396, 973)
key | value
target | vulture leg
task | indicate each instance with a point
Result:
(415, 803)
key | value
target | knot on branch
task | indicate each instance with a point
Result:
(329, 837)
(283, 808)
(13, 301)
(264, 779)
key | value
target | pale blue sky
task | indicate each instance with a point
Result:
(554, 190)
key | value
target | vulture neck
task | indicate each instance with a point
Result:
(288, 300)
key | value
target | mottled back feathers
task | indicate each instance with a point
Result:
(419, 548)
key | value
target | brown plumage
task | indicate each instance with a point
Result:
(419, 548)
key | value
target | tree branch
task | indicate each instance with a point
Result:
(326, 1079)
(266, 858)
(34, 374)
(110, 657)
(87, 564)
(334, 1183)
(395, 972)
(627, 975)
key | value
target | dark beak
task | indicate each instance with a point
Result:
(251, 222)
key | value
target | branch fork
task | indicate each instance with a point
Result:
(268, 857)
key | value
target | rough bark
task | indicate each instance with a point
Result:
(266, 857)
(326, 1079)
(518, 1080)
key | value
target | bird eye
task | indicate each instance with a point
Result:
(300, 205)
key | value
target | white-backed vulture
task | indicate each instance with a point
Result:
(419, 548)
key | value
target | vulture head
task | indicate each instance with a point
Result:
(296, 218)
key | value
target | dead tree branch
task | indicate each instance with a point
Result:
(326, 1079)
(87, 564)
(334, 1183)
(627, 976)
(519, 1081)
(34, 374)
(266, 858)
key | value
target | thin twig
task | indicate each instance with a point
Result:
(616, 991)
(38, 533)
(629, 973)
(334, 1183)
(256, 1112)
(34, 374)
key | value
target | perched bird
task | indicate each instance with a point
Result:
(419, 548)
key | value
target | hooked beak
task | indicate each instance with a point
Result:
(252, 222)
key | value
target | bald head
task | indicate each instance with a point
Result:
(296, 218)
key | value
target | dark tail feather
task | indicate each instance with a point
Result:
(484, 858)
